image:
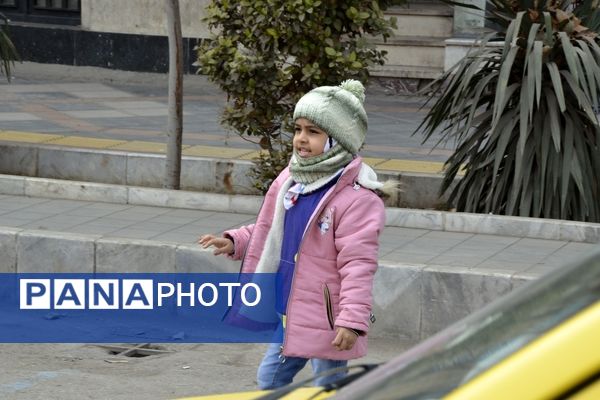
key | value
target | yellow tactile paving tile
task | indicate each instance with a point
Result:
(87, 142)
(143, 147)
(426, 167)
(415, 166)
(217, 152)
(373, 162)
(252, 155)
(27, 137)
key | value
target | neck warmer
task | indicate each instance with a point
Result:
(311, 169)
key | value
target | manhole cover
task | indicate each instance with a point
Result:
(135, 350)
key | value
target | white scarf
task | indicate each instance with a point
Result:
(271, 254)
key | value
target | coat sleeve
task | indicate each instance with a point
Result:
(357, 243)
(240, 237)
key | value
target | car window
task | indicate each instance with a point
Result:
(466, 349)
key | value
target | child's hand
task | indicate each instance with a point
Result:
(344, 339)
(222, 245)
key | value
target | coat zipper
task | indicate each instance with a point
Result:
(318, 209)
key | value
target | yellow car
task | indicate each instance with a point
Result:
(542, 341)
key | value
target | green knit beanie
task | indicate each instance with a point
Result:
(339, 111)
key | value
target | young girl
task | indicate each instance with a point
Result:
(318, 230)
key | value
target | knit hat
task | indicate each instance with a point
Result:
(339, 111)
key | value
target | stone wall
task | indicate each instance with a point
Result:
(144, 17)
(410, 302)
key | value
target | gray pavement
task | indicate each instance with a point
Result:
(398, 245)
(77, 372)
(122, 106)
(125, 109)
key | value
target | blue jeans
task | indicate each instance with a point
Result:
(276, 370)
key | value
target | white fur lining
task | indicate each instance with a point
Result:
(367, 178)
(271, 254)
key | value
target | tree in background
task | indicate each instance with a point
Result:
(175, 117)
(522, 114)
(8, 52)
(267, 53)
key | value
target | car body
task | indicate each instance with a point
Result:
(541, 341)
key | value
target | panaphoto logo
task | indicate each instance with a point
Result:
(129, 294)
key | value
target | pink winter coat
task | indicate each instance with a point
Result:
(334, 268)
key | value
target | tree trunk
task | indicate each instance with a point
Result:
(175, 118)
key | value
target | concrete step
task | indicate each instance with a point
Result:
(81, 192)
(406, 71)
(417, 50)
(225, 172)
(413, 57)
(422, 19)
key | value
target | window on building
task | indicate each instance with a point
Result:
(67, 12)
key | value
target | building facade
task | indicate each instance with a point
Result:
(131, 35)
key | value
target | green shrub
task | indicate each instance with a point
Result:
(267, 53)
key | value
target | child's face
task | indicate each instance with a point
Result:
(309, 139)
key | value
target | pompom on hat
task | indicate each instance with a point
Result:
(339, 111)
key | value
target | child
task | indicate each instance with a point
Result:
(318, 229)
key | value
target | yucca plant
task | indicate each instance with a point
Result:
(522, 114)
(8, 52)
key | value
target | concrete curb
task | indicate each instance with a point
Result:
(410, 301)
(535, 228)
(415, 301)
(217, 175)
(119, 194)
(400, 217)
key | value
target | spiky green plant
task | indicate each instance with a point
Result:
(522, 114)
(8, 52)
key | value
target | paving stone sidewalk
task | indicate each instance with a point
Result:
(121, 110)
(130, 115)
(474, 252)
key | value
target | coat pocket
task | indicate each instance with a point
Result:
(328, 305)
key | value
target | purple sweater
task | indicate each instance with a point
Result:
(294, 226)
